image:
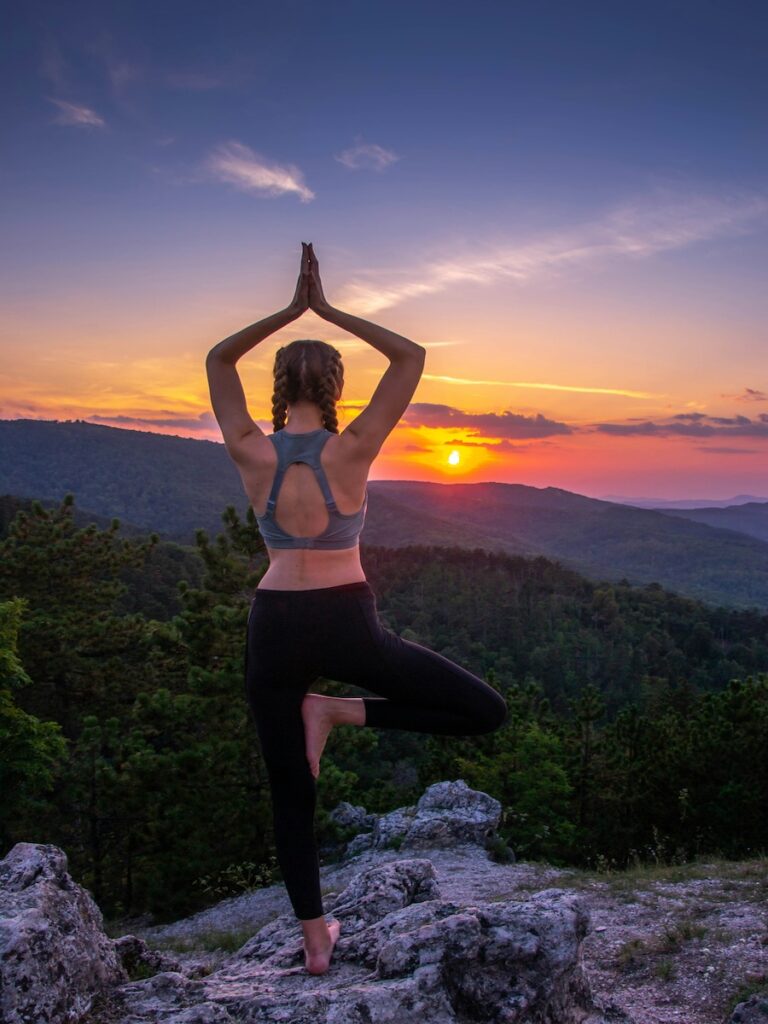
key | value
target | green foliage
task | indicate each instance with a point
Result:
(395, 842)
(636, 733)
(30, 750)
(239, 878)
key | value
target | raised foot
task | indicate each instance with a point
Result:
(318, 960)
(317, 714)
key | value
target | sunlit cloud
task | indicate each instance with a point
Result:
(549, 387)
(692, 424)
(720, 450)
(75, 114)
(205, 421)
(634, 230)
(367, 156)
(238, 165)
(488, 424)
(748, 395)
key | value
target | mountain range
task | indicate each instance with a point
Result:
(176, 485)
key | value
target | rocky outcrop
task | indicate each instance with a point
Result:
(54, 956)
(752, 1011)
(404, 954)
(448, 812)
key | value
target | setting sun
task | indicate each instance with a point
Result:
(453, 458)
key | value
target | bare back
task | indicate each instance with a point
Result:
(301, 508)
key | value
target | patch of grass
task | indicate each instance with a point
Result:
(643, 874)
(230, 940)
(665, 970)
(395, 842)
(674, 935)
(631, 954)
(635, 952)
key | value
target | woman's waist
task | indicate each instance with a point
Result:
(308, 569)
(356, 586)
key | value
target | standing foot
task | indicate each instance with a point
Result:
(317, 956)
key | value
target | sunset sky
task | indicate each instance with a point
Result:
(565, 203)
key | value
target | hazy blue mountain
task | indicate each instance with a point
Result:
(175, 485)
(750, 518)
(658, 503)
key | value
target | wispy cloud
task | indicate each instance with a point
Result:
(549, 387)
(55, 68)
(238, 165)
(367, 155)
(634, 230)
(75, 114)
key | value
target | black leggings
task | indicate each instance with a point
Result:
(294, 636)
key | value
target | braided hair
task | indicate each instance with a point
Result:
(309, 371)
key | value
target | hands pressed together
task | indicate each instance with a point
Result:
(309, 288)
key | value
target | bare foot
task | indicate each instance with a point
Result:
(317, 713)
(318, 959)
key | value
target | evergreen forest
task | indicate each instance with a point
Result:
(637, 726)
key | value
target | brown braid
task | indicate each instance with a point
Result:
(309, 371)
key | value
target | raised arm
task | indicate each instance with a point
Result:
(399, 382)
(226, 390)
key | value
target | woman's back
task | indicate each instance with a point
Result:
(340, 530)
(300, 505)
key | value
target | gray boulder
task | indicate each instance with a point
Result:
(752, 1011)
(54, 956)
(404, 954)
(350, 816)
(447, 812)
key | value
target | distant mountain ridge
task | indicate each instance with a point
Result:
(659, 503)
(175, 485)
(750, 518)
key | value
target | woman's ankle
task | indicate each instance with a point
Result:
(349, 711)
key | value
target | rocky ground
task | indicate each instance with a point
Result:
(435, 929)
(669, 945)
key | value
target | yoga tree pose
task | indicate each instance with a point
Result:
(314, 613)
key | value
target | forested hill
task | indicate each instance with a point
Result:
(751, 517)
(175, 485)
(637, 717)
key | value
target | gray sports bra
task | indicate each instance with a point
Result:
(342, 530)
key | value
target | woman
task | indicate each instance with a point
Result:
(314, 612)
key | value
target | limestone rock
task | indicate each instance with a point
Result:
(54, 956)
(404, 954)
(448, 812)
(350, 816)
(752, 1011)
